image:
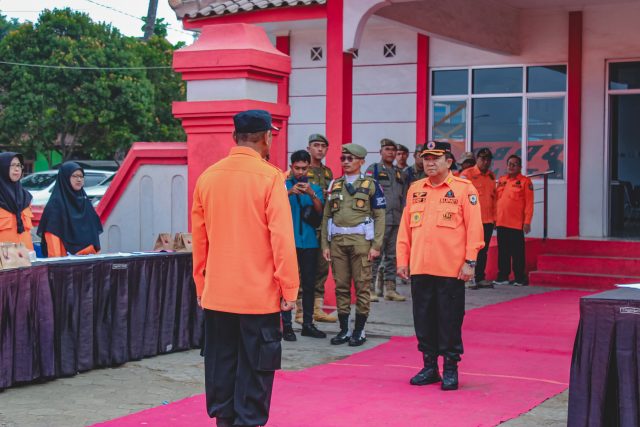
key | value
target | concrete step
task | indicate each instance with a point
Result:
(574, 280)
(618, 266)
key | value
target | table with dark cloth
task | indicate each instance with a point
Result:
(605, 367)
(64, 317)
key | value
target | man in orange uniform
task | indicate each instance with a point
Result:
(245, 271)
(514, 213)
(439, 239)
(484, 180)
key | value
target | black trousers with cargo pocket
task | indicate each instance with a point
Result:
(241, 354)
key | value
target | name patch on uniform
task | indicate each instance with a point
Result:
(419, 197)
(473, 199)
(447, 215)
(449, 201)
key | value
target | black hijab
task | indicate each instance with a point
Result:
(69, 214)
(13, 197)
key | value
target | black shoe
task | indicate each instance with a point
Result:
(358, 338)
(429, 374)
(288, 334)
(224, 422)
(343, 336)
(450, 375)
(310, 330)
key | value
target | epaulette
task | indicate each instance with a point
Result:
(457, 178)
(280, 171)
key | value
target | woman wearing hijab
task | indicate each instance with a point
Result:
(15, 202)
(69, 224)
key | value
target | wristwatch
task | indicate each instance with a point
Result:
(470, 263)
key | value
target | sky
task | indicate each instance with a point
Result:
(122, 14)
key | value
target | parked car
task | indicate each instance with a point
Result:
(40, 184)
(96, 193)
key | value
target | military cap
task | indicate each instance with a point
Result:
(252, 121)
(403, 148)
(419, 148)
(485, 152)
(466, 156)
(319, 138)
(436, 148)
(354, 149)
(386, 142)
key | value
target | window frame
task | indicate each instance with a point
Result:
(525, 96)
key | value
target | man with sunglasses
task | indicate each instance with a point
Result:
(352, 233)
(394, 184)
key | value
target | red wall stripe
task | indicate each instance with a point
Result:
(422, 90)
(574, 123)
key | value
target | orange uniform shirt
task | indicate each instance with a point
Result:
(55, 247)
(441, 227)
(515, 202)
(485, 183)
(244, 253)
(9, 228)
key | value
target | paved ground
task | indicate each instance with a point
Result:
(109, 393)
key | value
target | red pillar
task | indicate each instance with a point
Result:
(279, 148)
(339, 86)
(574, 123)
(422, 90)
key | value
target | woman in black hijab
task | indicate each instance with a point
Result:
(69, 224)
(15, 202)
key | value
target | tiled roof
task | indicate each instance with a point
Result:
(194, 8)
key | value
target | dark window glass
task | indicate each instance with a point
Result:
(545, 136)
(497, 80)
(624, 75)
(547, 79)
(450, 124)
(450, 82)
(93, 179)
(497, 125)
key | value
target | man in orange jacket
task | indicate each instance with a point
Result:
(245, 271)
(484, 180)
(438, 241)
(514, 213)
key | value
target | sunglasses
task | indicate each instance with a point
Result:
(348, 158)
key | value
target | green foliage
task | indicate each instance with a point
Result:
(95, 112)
(7, 25)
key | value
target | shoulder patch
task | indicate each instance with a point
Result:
(473, 199)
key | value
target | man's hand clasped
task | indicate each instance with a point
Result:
(287, 305)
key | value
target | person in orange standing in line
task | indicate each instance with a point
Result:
(439, 239)
(245, 271)
(69, 224)
(15, 202)
(513, 221)
(484, 180)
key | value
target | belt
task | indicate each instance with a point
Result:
(358, 229)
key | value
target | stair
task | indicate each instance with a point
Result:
(586, 264)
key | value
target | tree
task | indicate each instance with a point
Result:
(90, 111)
(7, 25)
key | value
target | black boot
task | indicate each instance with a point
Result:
(450, 374)
(343, 335)
(288, 334)
(429, 374)
(224, 422)
(310, 330)
(358, 338)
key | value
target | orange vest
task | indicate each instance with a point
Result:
(486, 186)
(244, 253)
(9, 228)
(55, 247)
(515, 202)
(441, 227)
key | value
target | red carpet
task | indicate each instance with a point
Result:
(517, 355)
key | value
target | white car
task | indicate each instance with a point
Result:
(40, 184)
(96, 193)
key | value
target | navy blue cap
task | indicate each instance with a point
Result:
(436, 148)
(252, 121)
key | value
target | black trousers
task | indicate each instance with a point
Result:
(438, 311)
(511, 250)
(307, 265)
(481, 263)
(241, 354)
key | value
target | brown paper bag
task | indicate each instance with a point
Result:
(182, 242)
(14, 255)
(164, 242)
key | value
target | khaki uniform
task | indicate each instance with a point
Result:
(321, 176)
(413, 174)
(349, 252)
(394, 185)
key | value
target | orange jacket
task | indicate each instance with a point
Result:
(515, 202)
(441, 227)
(55, 247)
(9, 228)
(486, 186)
(244, 253)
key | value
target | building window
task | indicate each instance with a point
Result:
(389, 50)
(624, 75)
(510, 110)
(316, 53)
